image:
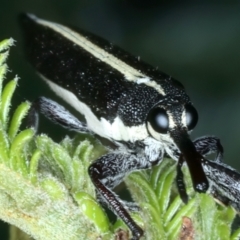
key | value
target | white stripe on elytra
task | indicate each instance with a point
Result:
(116, 130)
(129, 72)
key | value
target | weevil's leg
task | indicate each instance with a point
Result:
(225, 198)
(205, 146)
(106, 173)
(225, 180)
(180, 181)
(218, 196)
(55, 113)
(209, 144)
(130, 206)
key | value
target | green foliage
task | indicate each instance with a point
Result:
(164, 210)
(45, 189)
(44, 186)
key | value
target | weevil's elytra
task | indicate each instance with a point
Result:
(146, 113)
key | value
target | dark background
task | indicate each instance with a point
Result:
(197, 43)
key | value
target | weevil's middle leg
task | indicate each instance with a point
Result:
(55, 113)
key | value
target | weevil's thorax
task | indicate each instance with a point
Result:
(142, 137)
(135, 112)
(170, 110)
(173, 113)
(139, 98)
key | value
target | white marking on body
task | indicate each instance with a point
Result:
(116, 131)
(130, 73)
(172, 124)
(142, 80)
(184, 118)
(165, 140)
(154, 149)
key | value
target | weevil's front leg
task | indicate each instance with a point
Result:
(209, 144)
(106, 173)
(228, 200)
(180, 181)
(224, 182)
(224, 188)
(55, 113)
(205, 146)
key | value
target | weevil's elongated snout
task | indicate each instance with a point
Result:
(193, 159)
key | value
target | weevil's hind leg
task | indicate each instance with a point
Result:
(209, 144)
(106, 173)
(55, 113)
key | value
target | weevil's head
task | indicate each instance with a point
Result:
(170, 121)
(171, 116)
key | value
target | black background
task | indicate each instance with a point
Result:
(197, 43)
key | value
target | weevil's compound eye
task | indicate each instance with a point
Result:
(158, 120)
(191, 116)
